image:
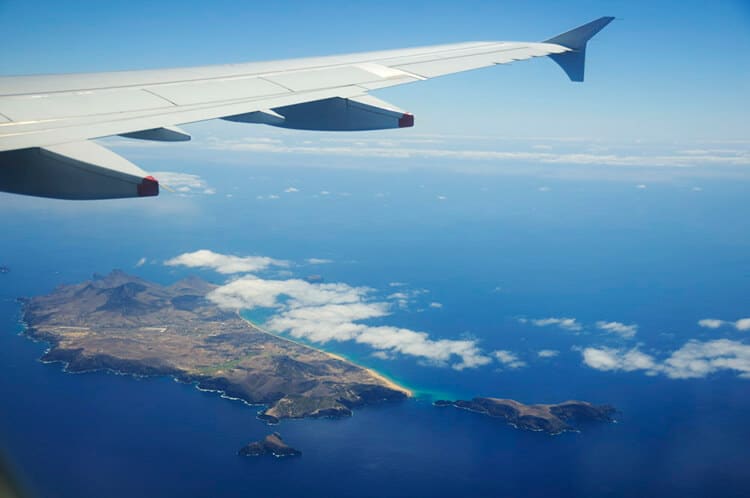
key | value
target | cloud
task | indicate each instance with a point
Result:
(547, 353)
(252, 292)
(613, 359)
(435, 352)
(183, 183)
(141, 262)
(291, 190)
(436, 305)
(641, 186)
(223, 263)
(508, 359)
(711, 323)
(626, 331)
(564, 323)
(319, 261)
(695, 359)
(405, 297)
(324, 312)
(743, 324)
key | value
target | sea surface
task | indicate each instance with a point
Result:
(490, 249)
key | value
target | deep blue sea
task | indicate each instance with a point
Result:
(496, 248)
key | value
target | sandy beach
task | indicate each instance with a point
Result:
(380, 377)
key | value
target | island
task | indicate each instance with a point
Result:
(126, 324)
(270, 445)
(552, 419)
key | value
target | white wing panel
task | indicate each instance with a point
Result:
(501, 54)
(198, 92)
(301, 81)
(391, 82)
(56, 106)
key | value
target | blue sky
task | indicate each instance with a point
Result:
(666, 71)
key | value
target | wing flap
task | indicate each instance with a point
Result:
(338, 114)
(83, 170)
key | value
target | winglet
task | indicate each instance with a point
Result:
(574, 61)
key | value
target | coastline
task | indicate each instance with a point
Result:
(379, 376)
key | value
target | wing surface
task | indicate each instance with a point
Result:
(40, 116)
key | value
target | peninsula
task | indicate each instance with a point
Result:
(552, 419)
(126, 324)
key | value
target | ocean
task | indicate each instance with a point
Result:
(491, 250)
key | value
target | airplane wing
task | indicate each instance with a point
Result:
(47, 122)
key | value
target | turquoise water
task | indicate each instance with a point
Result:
(663, 258)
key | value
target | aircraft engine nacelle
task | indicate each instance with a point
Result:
(334, 114)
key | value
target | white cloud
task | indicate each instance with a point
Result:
(711, 323)
(399, 295)
(544, 189)
(547, 353)
(699, 359)
(183, 183)
(251, 292)
(404, 297)
(562, 322)
(397, 284)
(224, 263)
(614, 359)
(742, 324)
(626, 331)
(436, 305)
(437, 352)
(508, 359)
(291, 190)
(441, 197)
(382, 355)
(318, 261)
(141, 262)
(641, 186)
(695, 359)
